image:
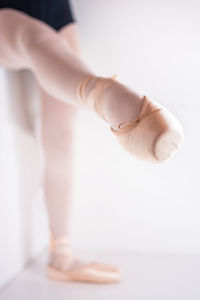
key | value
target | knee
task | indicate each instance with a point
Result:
(38, 35)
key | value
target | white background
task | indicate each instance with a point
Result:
(120, 203)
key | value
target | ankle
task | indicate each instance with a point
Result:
(120, 104)
(112, 101)
(59, 245)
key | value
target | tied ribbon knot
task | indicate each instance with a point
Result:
(125, 127)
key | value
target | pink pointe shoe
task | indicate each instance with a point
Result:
(93, 272)
(154, 136)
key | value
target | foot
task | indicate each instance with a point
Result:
(64, 266)
(113, 101)
(144, 128)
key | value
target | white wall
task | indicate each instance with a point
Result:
(122, 203)
(22, 217)
(119, 202)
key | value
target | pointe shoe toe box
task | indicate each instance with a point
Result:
(170, 139)
(155, 139)
(167, 145)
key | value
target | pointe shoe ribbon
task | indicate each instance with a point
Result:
(125, 127)
(59, 245)
(94, 98)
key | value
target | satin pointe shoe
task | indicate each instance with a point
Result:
(155, 136)
(92, 272)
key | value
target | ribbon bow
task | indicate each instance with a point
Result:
(125, 127)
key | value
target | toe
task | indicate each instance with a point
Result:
(167, 144)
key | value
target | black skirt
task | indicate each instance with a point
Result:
(55, 13)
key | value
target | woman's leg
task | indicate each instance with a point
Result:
(29, 43)
(26, 42)
(58, 132)
(58, 120)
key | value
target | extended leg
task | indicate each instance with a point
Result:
(29, 43)
(26, 42)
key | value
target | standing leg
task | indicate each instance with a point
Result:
(58, 120)
(58, 125)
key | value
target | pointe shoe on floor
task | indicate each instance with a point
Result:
(66, 267)
(154, 136)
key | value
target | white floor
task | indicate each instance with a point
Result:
(149, 277)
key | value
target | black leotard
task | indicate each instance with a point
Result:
(55, 13)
